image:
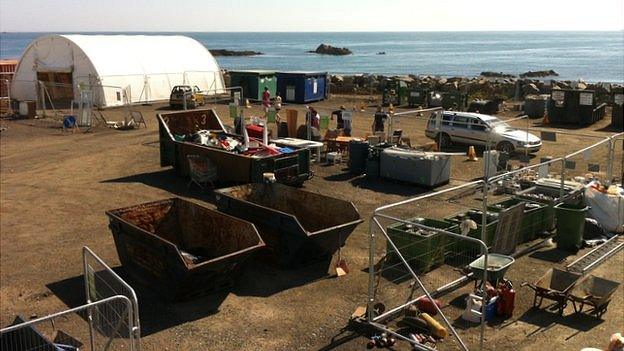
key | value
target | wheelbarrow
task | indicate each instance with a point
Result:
(497, 266)
(595, 292)
(555, 286)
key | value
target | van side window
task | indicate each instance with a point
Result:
(446, 120)
(460, 122)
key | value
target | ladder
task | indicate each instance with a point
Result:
(596, 256)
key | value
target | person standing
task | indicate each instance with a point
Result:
(338, 114)
(278, 102)
(379, 120)
(315, 118)
(266, 99)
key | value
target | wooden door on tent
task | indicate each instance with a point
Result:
(59, 86)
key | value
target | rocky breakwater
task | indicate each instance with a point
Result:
(487, 86)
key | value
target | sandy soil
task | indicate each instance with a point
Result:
(55, 187)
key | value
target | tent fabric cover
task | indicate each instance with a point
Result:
(143, 67)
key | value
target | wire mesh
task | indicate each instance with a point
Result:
(102, 282)
(97, 326)
(419, 251)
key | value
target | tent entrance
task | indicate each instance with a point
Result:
(59, 86)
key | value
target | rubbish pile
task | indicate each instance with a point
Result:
(240, 145)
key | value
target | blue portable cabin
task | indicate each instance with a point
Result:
(302, 87)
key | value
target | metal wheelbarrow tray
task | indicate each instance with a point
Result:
(298, 226)
(555, 285)
(595, 292)
(497, 267)
(181, 249)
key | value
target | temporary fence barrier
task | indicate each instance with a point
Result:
(108, 321)
(416, 254)
(107, 327)
(102, 282)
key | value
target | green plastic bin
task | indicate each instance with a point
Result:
(549, 197)
(534, 220)
(421, 249)
(570, 225)
(462, 247)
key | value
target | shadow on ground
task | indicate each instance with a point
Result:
(171, 182)
(551, 255)
(544, 319)
(389, 187)
(158, 313)
(155, 312)
(265, 279)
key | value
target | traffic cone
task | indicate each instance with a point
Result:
(247, 103)
(545, 121)
(472, 155)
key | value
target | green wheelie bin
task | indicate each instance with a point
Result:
(570, 225)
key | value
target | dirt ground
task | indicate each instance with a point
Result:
(55, 187)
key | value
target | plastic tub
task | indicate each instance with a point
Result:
(422, 249)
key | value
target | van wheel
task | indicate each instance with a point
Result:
(443, 139)
(505, 146)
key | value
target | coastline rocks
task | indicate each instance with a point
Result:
(476, 87)
(539, 74)
(225, 52)
(530, 89)
(325, 49)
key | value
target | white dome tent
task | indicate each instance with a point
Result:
(116, 68)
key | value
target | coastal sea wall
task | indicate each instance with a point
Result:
(486, 87)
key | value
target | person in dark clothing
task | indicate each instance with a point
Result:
(379, 120)
(338, 114)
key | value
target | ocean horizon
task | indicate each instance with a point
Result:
(589, 55)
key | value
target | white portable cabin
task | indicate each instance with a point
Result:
(117, 69)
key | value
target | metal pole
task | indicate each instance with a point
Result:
(561, 190)
(371, 271)
(88, 294)
(309, 123)
(610, 160)
(526, 148)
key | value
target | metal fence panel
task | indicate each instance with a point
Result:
(98, 326)
(416, 253)
(101, 282)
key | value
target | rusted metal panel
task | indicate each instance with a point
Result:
(298, 226)
(182, 249)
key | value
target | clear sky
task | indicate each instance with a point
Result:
(309, 15)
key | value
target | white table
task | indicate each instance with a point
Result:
(294, 142)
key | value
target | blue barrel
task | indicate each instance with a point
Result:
(358, 153)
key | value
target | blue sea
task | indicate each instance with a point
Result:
(592, 56)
